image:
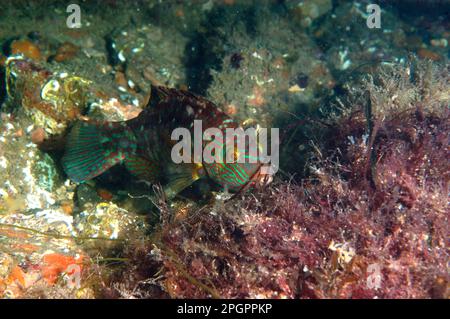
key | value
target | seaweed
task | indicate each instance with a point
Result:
(370, 220)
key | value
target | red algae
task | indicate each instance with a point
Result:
(370, 220)
(334, 236)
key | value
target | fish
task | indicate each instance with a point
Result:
(143, 144)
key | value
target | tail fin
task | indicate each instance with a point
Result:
(93, 148)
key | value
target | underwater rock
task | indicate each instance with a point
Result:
(263, 85)
(428, 54)
(32, 199)
(349, 43)
(111, 109)
(53, 100)
(28, 174)
(26, 48)
(147, 56)
(54, 275)
(65, 52)
(35, 207)
(38, 219)
(307, 11)
(50, 100)
(106, 221)
(86, 196)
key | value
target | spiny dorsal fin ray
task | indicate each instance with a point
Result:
(172, 108)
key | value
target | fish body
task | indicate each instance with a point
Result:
(144, 145)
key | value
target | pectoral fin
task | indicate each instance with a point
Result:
(180, 176)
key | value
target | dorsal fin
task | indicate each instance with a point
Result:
(172, 108)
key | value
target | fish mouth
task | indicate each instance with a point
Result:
(258, 180)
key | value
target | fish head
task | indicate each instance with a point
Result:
(237, 177)
(242, 171)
